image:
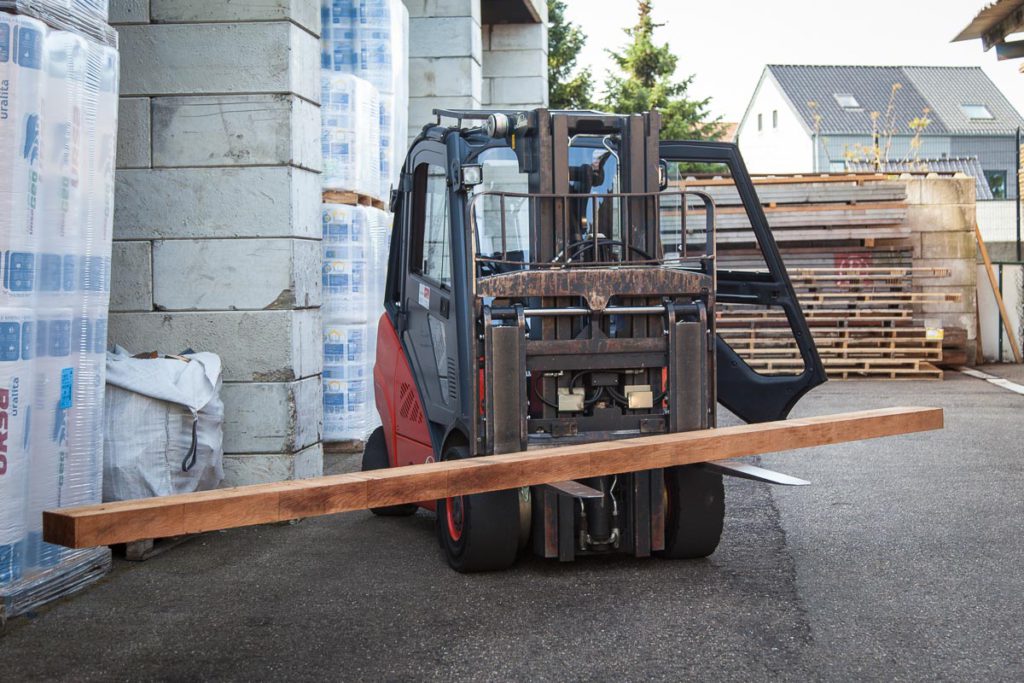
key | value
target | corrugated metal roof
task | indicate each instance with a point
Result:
(940, 89)
(988, 17)
(969, 166)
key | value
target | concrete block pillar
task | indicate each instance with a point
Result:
(515, 63)
(445, 58)
(941, 216)
(217, 218)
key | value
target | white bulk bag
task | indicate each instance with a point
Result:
(164, 419)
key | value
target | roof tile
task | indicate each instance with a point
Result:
(939, 90)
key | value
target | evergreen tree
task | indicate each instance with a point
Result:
(565, 40)
(648, 82)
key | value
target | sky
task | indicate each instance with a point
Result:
(726, 43)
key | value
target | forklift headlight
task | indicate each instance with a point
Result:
(472, 175)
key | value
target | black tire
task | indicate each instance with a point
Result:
(479, 532)
(375, 457)
(694, 512)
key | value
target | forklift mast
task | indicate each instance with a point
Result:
(592, 321)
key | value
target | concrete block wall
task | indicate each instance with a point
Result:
(445, 58)
(458, 63)
(515, 65)
(217, 219)
(941, 214)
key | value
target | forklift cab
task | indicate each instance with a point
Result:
(548, 284)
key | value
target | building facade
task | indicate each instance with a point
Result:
(824, 118)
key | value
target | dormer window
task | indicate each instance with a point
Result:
(846, 101)
(976, 112)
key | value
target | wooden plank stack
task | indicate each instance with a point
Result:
(809, 209)
(847, 246)
(862, 322)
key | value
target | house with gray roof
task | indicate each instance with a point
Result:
(804, 118)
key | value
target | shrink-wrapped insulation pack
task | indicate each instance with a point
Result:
(355, 245)
(364, 108)
(58, 127)
(369, 39)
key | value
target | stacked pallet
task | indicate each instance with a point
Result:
(808, 209)
(847, 245)
(862, 321)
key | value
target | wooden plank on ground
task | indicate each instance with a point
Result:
(128, 521)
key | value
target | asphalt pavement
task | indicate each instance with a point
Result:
(903, 561)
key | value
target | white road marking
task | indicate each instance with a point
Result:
(992, 379)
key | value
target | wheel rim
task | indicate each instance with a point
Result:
(455, 514)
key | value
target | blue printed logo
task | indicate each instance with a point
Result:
(29, 52)
(5, 42)
(67, 383)
(31, 150)
(60, 426)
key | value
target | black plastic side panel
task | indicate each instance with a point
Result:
(751, 396)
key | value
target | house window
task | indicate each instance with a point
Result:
(760, 122)
(846, 101)
(976, 112)
(775, 118)
(997, 183)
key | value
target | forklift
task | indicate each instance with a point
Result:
(547, 287)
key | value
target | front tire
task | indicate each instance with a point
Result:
(478, 532)
(375, 457)
(694, 512)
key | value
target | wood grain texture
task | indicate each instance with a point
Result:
(127, 521)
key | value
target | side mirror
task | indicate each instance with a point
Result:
(393, 201)
(662, 175)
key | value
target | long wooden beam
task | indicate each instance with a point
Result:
(134, 520)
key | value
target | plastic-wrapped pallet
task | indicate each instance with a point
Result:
(350, 134)
(369, 39)
(347, 382)
(58, 122)
(356, 239)
(346, 252)
(21, 97)
(384, 58)
(87, 17)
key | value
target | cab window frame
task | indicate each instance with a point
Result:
(422, 180)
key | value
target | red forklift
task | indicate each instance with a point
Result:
(548, 286)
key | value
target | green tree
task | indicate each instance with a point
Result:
(647, 81)
(565, 40)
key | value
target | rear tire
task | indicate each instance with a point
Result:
(478, 532)
(694, 512)
(375, 457)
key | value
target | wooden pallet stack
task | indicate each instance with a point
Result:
(862, 321)
(847, 246)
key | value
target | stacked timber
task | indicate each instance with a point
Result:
(848, 248)
(809, 209)
(862, 321)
